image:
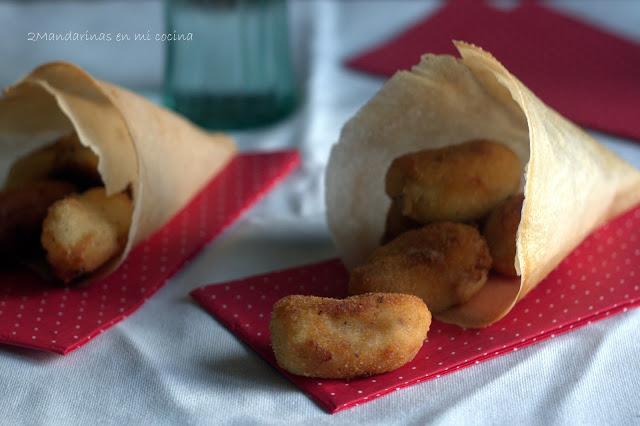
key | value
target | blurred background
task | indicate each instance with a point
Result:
(339, 28)
(319, 35)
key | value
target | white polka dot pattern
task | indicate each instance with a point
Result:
(38, 315)
(579, 291)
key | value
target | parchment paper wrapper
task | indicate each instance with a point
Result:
(571, 183)
(161, 157)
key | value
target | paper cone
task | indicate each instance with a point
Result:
(571, 183)
(161, 157)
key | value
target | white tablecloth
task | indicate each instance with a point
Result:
(171, 363)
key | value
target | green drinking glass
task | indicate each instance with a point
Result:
(235, 71)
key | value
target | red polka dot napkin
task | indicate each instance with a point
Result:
(588, 75)
(600, 278)
(37, 315)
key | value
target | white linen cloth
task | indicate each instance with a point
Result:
(171, 363)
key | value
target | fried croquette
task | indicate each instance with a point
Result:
(458, 183)
(396, 223)
(65, 159)
(443, 263)
(340, 339)
(76, 162)
(81, 233)
(22, 211)
(500, 232)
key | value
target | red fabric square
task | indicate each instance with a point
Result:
(37, 315)
(600, 278)
(588, 75)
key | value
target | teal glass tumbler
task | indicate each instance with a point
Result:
(235, 70)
